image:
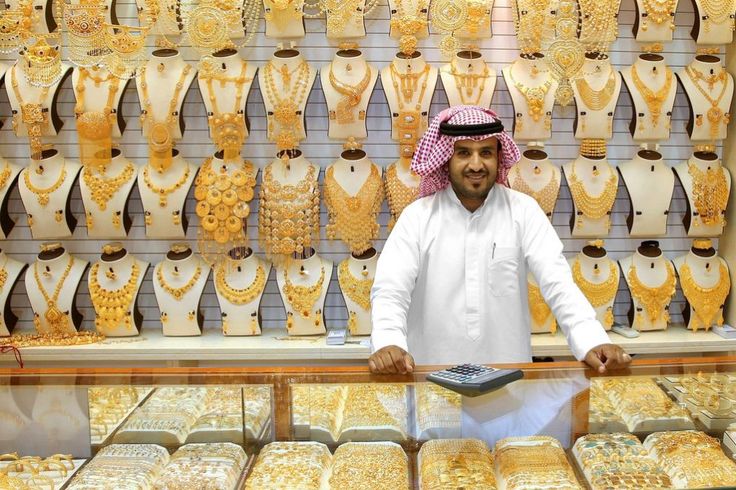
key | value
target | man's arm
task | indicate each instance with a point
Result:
(396, 275)
(585, 335)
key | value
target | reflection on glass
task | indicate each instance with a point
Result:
(711, 397)
(257, 408)
(109, 406)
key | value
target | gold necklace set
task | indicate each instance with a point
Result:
(34, 115)
(160, 139)
(596, 100)
(710, 193)
(43, 194)
(715, 115)
(103, 188)
(538, 308)
(534, 97)
(94, 128)
(409, 24)
(179, 292)
(467, 83)
(718, 12)
(659, 12)
(351, 96)
(112, 306)
(408, 124)
(598, 293)
(532, 20)
(282, 12)
(593, 207)
(398, 194)
(654, 100)
(285, 125)
(358, 290)
(288, 215)
(546, 197)
(303, 298)
(354, 219)
(58, 320)
(163, 192)
(654, 299)
(239, 296)
(705, 302)
(600, 24)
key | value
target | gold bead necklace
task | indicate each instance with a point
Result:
(33, 114)
(654, 299)
(546, 197)
(351, 95)
(600, 24)
(715, 114)
(354, 219)
(718, 12)
(467, 83)
(654, 100)
(101, 188)
(303, 298)
(534, 96)
(538, 308)
(598, 294)
(177, 292)
(532, 19)
(410, 24)
(94, 128)
(593, 207)
(282, 12)
(284, 122)
(44, 194)
(596, 100)
(710, 193)
(408, 124)
(358, 290)
(239, 296)
(163, 192)
(659, 12)
(112, 306)
(57, 319)
(398, 194)
(705, 302)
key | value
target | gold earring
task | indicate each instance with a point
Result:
(176, 218)
(89, 220)
(30, 220)
(289, 321)
(164, 317)
(224, 326)
(148, 219)
(253, 325)
(190, 316)
(110, 274)
(116, 220)
(59, 215)
(352, 323)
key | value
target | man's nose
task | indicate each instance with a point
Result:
(476, 163)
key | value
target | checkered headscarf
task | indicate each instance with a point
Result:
(434, 150)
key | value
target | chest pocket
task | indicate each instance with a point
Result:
(503, 271)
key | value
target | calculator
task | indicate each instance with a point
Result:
(473, 379)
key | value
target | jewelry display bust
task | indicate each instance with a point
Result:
(346, 19)
(10, 271)
(347, 83)
(709, 90)
(8, 180)
(45, 187)
(52, 283)
(401, 186)
(541, 318)
(652, 88)
(596, 95)
(284, 19)
(355, 275)
(654, 21)
(536, 176)
(239, 283)
(468, 80)
(114, 282)
(650, 277)
(650, 185)
(707, 185)
(713, 23)
(303, 283)
(593, 183)
(597, 276)
(178, 282)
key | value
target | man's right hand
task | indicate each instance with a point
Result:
(391, 360)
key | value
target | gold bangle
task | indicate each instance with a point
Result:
(179, 247)
(702, 243)
(111, 248)
(50, 246)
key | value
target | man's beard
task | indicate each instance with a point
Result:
(468, 190)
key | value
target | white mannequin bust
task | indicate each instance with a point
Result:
(8, 179)
(657, 24)
(178, 282)
(650, 184)
(303, 272)
(284, 20)
(709, 115)
(703, 163)
(55, 266)
(706, 276)
(657, 79)
(401, 187)
(12, 270)
(540, 315)
(347, 20)
(532, 88)
(409, 83)
(48, 209)
(597, 276)
(596, 95)
(599, 179)
(98, 87)
(652, 270)
(285, 97)
(468, 80)
(108, 217)
(713, 28)
(346, 74)
(536, 176)
(355, 275)
(163, 200)
(239, 283)
(119, 275)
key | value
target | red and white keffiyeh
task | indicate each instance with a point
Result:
(434, 150)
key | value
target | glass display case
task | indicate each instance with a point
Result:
(660, 424)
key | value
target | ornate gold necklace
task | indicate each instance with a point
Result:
(94, 128)
(534, 96)
(538, 308)
(284, 121)
(33, 114)
(354, 219)
(659, 12)
(654, 100)
(358, 290)
(467, 83)
(351, 95)
(112, 306)
(43, 194)
(177, 292)
(281, 12)
(718, 11)
(163, 192)
(593, 207)
(600, 24)
(546, 196)
(398, 194)
(239, 296)
(715, 114)
(705, 302)
(5, 175)
(654, 299)
(531, 19)
(57, 319)
(710, 193)
(598, 294)
(409, 24)
(101, 188)
(596, 100)
(303, 298)
(408, 123)
(3, 273)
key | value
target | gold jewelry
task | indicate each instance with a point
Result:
(303, 298)
(102, 189)
(41, 63)
(354, 219)
(35, 116)
(94, 128)
(283, 12)
(715, 114)
(718, 12)
(285, 121)
(409, 25)
(600, 24)
(398, 195)
(125, 46)
(177, 292)
(710, 193)
(546, 197)
(593, 148)
(239, 296)
(58, 320)
(163, 192)
(654, 100)
(43, 195)
(5, 175)
(705, 302)
(598, 294)
(532, 20)
(702, 243)
(112, 306)
(356, 289)
(654, 299)
(351, 95)
(593, 207)
(534, 96)
(659, 12)
(596, 100)
(449, 16)
(538, 308)
(160, 139)
(85, 24)
(409, 124)
(467, 83)
(15, 23)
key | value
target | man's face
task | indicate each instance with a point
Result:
(474, 167)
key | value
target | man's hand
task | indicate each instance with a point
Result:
(607, 356)
(391, 360)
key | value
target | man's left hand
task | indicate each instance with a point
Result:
(607, 356)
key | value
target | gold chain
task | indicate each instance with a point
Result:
(598, 294)
(715, 114)
(286, 110)
(538, 308)
(546, 196)
(398, 194)
(705, 302)
(710, 193)
(467, 83)
(239, 296)
(654, 299)
(593, 207)
(659, 12)
(43, 194)
(177, 293)
(112, 306)
(596, 100)
(351, 95)
(358, 290)
(163, 192)
(57, 319)
(654, 100)
(409, 24)
(303, 298)
(534, 96)
(101, 188)
(718, 11)
(94, 128)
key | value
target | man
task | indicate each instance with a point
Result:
(450, 285)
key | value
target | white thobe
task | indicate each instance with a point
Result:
(450, 285)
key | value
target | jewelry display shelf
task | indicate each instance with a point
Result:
(108, 439)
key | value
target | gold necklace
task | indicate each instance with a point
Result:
(715, 114)
(409, 24)
(5, 175)
(538, 308)
(534, 96)
(57, 319)
(531, 20)
(358, 290)
(408, 124)
(654, 299)
(654, 100)
(177, 292)
(398, 194)
(718, 11)
(303, 298)
(710, 193)
(281, 12)
(101, 188)
(659, 12)
(112, 306)
(546, 196)
(94, 128)
(593, 207)
(32, 114)
(354, 219)
(598, 294)
(3, 273)
(286, 111)
(705, 302)
(466, 83)
(600, 24)
(239, 296)
(596, 100)
(43, 194)
(351, 95)
(163, 192)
